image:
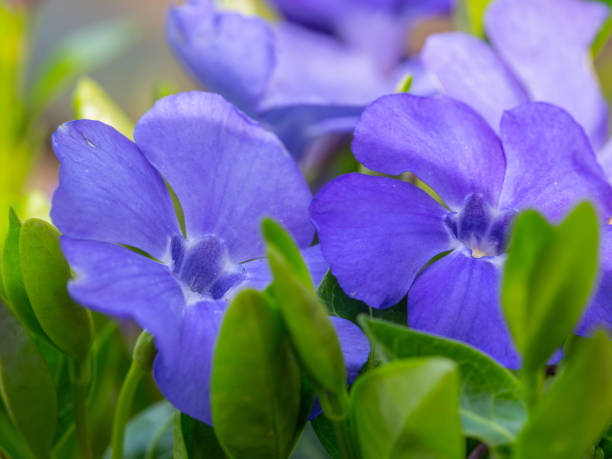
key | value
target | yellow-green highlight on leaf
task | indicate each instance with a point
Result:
(91, 102)
(404, 84)
(76, 55)
(602, 37)
(261, 8)
(469, 16)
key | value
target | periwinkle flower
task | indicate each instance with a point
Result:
(381, 28)
(300, 82)
(228, 173)
(379, 234)
(539, 50)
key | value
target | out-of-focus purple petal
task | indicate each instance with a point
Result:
(108, 191)
(116, 281)
(258, 274)
(598, 313)
(313, 68)
(550, 163)
(467, 69)
(444, 142)
(227, 171)
(226, 52)
(458, 297)
(354, 344)
(376, 233)
(185, 379)
(547, 44)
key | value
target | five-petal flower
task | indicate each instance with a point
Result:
(228, 173)
(379, 233)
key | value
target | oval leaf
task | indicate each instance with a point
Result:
(45, 275)
(255, 389)
(396, 410)
(549, 275)
(492, 409)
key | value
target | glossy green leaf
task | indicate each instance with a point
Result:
(492, 409)
(602, 37)
(338, 303)
(13, 280)
(79, 53)
(149, 434)
(45, 275)
(255, 389)
(91, 102)
(469, 16)
(194, 439)
(572, 415)
(548, 278)
(277, 237)
(396, 410)
(312, 333)
(26, 385)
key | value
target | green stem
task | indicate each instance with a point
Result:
(79, 375)
(532, 382)
(142, 359)
(345, 443)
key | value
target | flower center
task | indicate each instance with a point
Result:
(479, 227)
(203, 267)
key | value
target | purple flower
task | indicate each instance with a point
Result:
(228, 173)
(540, 50)
(378, 233)
(300, 83)
(381, 28)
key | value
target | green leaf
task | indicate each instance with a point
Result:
(45, 275)
(549, 276)
(571, 416)
(26, 385)
(149, 434)
(492, 409)
(13, 280)
(338, 303)
(277, 237)
(396, 410)
(91, 102)
(77, 54)
(312, 333)
(469, 16)
(194, 439)
(255, 389)
(12, 443)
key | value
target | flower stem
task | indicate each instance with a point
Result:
(345, 443)
(79, 375)
(142, 359)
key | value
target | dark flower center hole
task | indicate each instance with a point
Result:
(481, 228)
(204, 267)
